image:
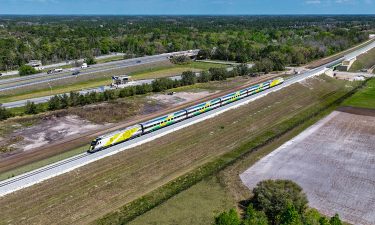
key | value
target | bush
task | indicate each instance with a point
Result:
(204, 77)
(30, 108)
(182, 59)
(90, 60)
(162, 84)
(273, 197)
(218, 73)
(27, 70)
(188, 78)
(4, 113)
(228, 218)
(54, 103)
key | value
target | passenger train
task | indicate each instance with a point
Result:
(128, 133)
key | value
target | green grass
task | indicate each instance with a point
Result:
(160, 195)
(197, 205)
(110, 59)
(364, 98)
(154, 72)
(42, 163)
(57, 90)
(364, 61)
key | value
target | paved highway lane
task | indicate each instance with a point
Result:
(12, 83)
(44, 99)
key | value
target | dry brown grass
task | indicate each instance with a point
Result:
(96, 189)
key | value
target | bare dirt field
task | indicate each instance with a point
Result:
(179, 98)
(90, 192)
(333, 161)
(52, 129)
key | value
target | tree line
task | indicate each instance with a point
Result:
(292, 40)
(73, 99)
(277, 202)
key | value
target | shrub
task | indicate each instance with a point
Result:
(273, 197)
(182, 59)
(30, 108)
(228, 218)
(4, 113)
(27, 70)
(188, 78)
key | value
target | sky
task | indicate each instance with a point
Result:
(187, 7)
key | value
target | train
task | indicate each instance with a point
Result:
(119, 136)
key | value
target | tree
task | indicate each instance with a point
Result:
(30, 108)
(203, 54)
(290, 216)
(218, 73)
(311, 217)
(188, 78)
(90, 60)
(323, 221)
(181, 59)
(54, 103)
(254, 217)
(4, 113)
(27, 70)
(273, 197)
(242, 69)
(335, 220)
(204, 77)
(228, 218)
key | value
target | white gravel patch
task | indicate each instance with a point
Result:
(333, 161)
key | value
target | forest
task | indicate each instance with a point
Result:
(283, 40)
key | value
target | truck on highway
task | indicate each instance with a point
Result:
(57, 70)
(84, 65)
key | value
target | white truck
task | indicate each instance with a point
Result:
(84, 65)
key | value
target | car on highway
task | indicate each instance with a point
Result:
(139, 61)
(1, 74)
(76, 72)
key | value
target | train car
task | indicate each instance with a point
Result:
(160, 122)
(203, 107)
(116, 137)
(163, 121)
(234, 96)
(276, 81)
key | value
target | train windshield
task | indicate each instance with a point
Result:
(93, 143)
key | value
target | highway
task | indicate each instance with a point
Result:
(64, 166)
(18, 82)
(44, 99)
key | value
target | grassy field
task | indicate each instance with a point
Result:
(104, 79)
(364, 61)
(97, 189)
(197, 205)
(110, 59)
(364, 98)
(226, 184)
